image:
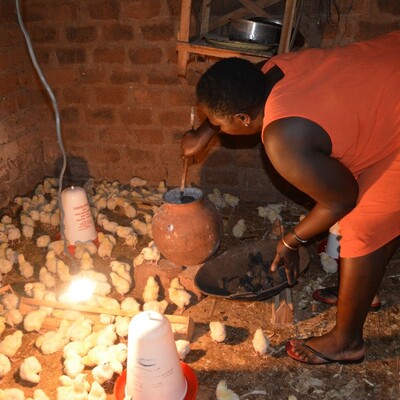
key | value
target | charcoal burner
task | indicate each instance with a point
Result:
(243, 272)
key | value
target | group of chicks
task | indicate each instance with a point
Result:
(82, 347)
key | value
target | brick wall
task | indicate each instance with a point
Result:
(112, 66)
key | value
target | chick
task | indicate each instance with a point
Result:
(2, 324)
(25, 267)
(106, 246)
(11, 344)
(140, 227)
(5, 266)
(38, 394)
(47, 278)
(43, 241)
(329, 264)
(178, 295)
(183, 348)
(102, 372)
(217, 198)
(151, 252)
(151, 290)
(63, 272)
(224, 393)
(30, 369)
(121, 284)
(5, 365)
(131, 240)
(129, 210)
(73, 365)
(122, 326)
(239, 229)
(13, 234)
(33, 321)
(80, 329)
(37, 290)
(136, 182)
(51, 342)
(270, 212)
(86, 261)
(12, 394)
(124, 231)
(260, 342)
(10, 301)
(154, 305)
(97, 392)
(28, 231)
(231, 200)
(130, 305)
(13, 317)
(217, 331)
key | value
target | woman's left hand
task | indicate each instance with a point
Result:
(290, 260)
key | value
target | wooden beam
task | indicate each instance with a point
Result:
(254, 8)
(239, 13)
(286, 33)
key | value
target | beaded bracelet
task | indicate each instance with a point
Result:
(288, 246)
(299, 239)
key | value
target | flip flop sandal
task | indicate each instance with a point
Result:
(329, 296)
(326, 359)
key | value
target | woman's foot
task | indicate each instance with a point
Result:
(329, 296)
(325, 350)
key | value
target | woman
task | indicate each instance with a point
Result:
(330, 124)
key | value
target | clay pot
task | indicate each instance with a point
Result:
(188, 232)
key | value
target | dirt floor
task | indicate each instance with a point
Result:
(274, 376)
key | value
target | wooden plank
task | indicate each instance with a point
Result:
(239, 13)
(287, 26)
(182, 326)
(254, 8)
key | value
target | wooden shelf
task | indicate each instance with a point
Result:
(185, 47)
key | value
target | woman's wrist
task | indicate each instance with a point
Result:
(297, 237)
(288, 245)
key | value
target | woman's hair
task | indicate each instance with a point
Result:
(231, 86)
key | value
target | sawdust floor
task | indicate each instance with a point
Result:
(274, 376)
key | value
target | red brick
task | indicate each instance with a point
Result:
(64, 10)
(174, 7)
(82, 34)
(219, 159)
(42, 34)
(145, 55)
(92, 74)
(69, 115)
(33, 12)
(74, 95)
(158, 32)
(8, 105)
(104, 10)
(141, 156)
(174, 118)
(76, 134)
(110, 95)
(389, 6)
(71, 56)
(180, 97)
(109, 55)
(43, 56)
(101, 116)
(9, 83)
(118, 32)
(142, 9)
(124, 76)
(62, 76)
(165, 76)
(116, 135)
(147, 97)
(150, 136)
(138, 116)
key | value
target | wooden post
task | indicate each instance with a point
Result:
(282, 308)
(183, 36)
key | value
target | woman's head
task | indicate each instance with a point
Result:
(232, 87)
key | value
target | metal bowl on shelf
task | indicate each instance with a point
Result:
(261, 30)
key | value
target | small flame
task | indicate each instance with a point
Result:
(80, 290)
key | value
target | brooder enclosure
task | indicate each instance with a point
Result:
(233, 359)
(123, 76)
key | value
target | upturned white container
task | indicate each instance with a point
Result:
(78, 220)
(153, 368)
(333, 242)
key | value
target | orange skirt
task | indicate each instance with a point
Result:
(375, 220)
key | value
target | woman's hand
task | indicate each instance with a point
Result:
(195, 141)
(290, 260)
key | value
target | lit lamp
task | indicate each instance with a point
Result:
(154, 370)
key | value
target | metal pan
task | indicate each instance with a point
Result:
(234, 262)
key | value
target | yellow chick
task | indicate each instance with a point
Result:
(178, 295)
(151, 290)
(182, 347)
(239, 229)
(217, 331)
(224, 393)
(30, 369)
(25, 267)
(260, 342)
(5, 365)
(97, 392)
